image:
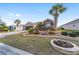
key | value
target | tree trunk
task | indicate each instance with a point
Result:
(17, 25)
(55, 22)
(56, 19)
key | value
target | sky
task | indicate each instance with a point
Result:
(34, 12)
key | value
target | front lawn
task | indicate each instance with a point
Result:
(71, 30)
(33, 44)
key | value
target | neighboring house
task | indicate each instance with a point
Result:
(45, 25)
(20, 27)
(48, 24)
(28, 25)
(73, 25)
(12, 27)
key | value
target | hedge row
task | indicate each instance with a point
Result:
(71, 34)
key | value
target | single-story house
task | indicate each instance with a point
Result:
(28, 25)
(47, 24)
(73, 25)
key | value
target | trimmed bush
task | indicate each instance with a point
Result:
(72, 34)
(36, 32)
(77, 33)
(30, 30)
(64, 33)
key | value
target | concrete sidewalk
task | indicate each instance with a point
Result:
(9, 50)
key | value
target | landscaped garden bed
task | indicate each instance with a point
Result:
(64, 46)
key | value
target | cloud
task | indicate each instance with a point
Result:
(11, 14)
(18, 15)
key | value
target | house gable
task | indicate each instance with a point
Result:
(73, 25)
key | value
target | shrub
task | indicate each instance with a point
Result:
(64, 33)
(72, 34)
(39, 25)
(61, 28)
(51, 32)
(77, 33)
(36, 32)
(4, 28)
(54, 29)
(30, 30)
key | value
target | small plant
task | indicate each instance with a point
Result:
(61, 28)
(36, 32)
(31, 30)
(72, 34)
(64, 33)
(51, 32)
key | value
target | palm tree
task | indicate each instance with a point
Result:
(17, 21)
(55, 11)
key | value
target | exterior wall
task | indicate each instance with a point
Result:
(27, 27)
(20, 27)
(47, 24)
(11, 28)
(74, 26)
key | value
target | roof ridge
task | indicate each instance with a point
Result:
(71, 21)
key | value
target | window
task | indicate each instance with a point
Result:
(73, 25)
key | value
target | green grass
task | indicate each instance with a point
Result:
(71, 30)
(35, 45)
